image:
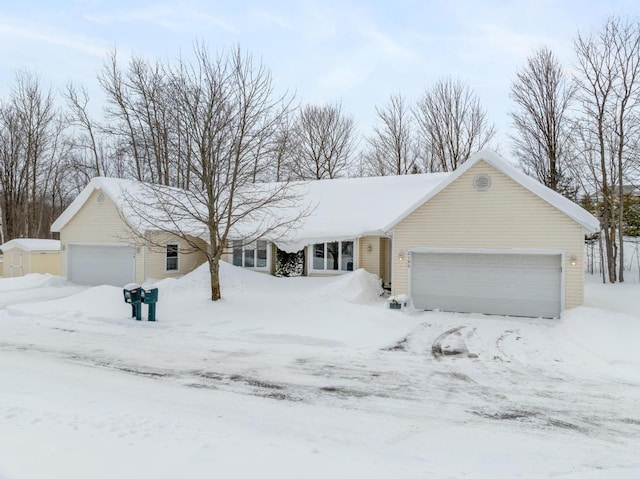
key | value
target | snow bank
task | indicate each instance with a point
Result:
(619, 297)
(356, 287)
(31, 280)
(101, 301)
(611, 336)
(231, 278)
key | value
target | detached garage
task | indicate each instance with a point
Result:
(490, 239)
(30, 255)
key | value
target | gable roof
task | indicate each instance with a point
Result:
(555, 199)
(32, 244)
(125, 195)
(344, 208)
(111, 188)
(340, 209)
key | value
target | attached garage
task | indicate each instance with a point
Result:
(490, 239)
(95, 265)
(99, 245)
(516, 283)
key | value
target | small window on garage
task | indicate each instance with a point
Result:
(172, 257)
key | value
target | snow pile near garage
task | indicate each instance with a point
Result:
(359, 287)
(31, 280)
(610, 336)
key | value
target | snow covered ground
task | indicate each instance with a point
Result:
(311, 377)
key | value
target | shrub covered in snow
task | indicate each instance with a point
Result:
(290, 264)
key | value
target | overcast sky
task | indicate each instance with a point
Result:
(357, 52)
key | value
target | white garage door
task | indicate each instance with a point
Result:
(95, 265)
(504, 284)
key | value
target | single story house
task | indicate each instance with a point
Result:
(486, 238)
(30, 255)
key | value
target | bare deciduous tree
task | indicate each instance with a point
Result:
(141, 120)
(31, 148)
(323, 142)
(542, 137)
(608, 88)
(392, 149)
(90, 156)
(451, 124)
(228, 107)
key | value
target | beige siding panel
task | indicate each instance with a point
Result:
(188, 260)
(385, 273)
(505, 216)
(273, 259)
(45, 262)
(370, 260)
(306, 268)
(99, 223)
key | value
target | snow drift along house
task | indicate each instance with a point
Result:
(30, 255)
(485, 238)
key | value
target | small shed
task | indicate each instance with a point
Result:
(30, 255)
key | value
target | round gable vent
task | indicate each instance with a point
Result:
(482, 182)
(99, 198)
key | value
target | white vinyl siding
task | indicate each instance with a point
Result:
(507, 215)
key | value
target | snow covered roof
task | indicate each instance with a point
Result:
(348, 208)
(339, 209)
(126, 194)
(31, 244)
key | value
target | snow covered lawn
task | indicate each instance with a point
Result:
(311, 377)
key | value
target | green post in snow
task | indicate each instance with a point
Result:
(150, 298)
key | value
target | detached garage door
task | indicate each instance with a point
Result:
(491, 283)
(95, 265)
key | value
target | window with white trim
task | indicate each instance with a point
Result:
(252, 255)
(171, 263)
(333, 256)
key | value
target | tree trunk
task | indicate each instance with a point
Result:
(620, 220)
(604, 278)
(214, 270)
